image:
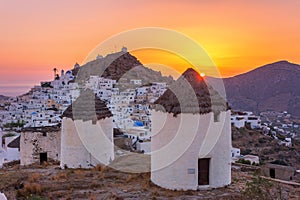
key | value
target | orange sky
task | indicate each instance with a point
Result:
(36, 36)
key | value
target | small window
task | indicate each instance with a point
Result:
(45, 134)
(191, 171)
(216, 117)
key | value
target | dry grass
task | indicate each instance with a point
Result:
(146, 184)
(30, 189)
(115, 185)
(102, 169)
(155, 192)
(98, 167)
(9, 178)
(68, 196)
(34, 177)
(95, 185)
(115, 196)
(128, 178)
(58, 194)
(93, 197)
(60, 176)
(78, 171)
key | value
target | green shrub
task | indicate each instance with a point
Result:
(261, 188)
(246, 151)
(261, 140)
(243, 161)
(14, 124)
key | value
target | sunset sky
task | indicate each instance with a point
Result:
(36, 36)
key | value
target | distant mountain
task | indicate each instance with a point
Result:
(271, 87)
(3, 97)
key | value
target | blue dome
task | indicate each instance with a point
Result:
(138, 123)
(68, 72)
(33, 113)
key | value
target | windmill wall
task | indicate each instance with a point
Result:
(177, 144)
(84, 144)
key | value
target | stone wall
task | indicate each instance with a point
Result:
(281, 172)
(34, 143)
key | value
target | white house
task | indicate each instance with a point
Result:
(135, 82)
(251, 158)
(287, 142)
(143, 146)
(11, 149)
(191, 137)
(239, 120)
(254, 121)
(235, 152)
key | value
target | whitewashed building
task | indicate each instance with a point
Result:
(10, 149)
(144, 146)
(235, 152)
(87, 133)
(286, 142)
(253, 159)
(191, 137)
(254, 121)
(240, 119)
(136, 82)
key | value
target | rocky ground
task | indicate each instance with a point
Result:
(50, 182)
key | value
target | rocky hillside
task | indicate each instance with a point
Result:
(271, 87)
(255, 143)
(121, 66)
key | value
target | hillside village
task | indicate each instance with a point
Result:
(44, 105)
(31, 124)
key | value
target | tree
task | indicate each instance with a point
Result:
(55, 72)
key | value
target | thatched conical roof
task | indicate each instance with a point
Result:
(190, 94)
(87, 107)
